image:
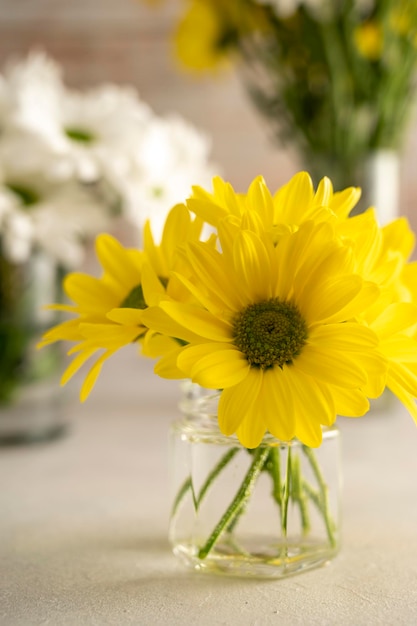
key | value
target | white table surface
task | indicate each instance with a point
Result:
(83, 525)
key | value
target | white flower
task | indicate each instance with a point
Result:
(37, 211)
(30, 94)
(320, 8)
(98, 129)
(172, 156)
(90, 131)
(17, 237)
(285, 8)
(68, 158)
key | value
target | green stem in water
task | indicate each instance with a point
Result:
(188, 484)
(274, 469)
(298, 494)
(286, 495)
(215, 472)
(259, 459)
(323, 501)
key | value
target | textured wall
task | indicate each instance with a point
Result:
(123, 41)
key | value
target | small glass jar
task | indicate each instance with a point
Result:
(269, 512)
(31, 400)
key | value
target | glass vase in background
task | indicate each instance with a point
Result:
(269, 512)
(378, 175)
(31, 401)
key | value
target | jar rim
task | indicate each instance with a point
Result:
(199, 409)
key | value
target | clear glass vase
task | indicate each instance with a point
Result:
(378, 174)
(269, 512)
(31, 401)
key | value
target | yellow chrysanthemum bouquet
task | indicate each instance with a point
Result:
(289, 311)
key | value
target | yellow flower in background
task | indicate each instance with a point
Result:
(200, 38)
(335, 79)
(402, 19)
(208, 32)
(277, 333)
(109, 308)
(369, 40)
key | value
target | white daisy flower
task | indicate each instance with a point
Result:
(38, 211)
(172, 156)
(30, 94)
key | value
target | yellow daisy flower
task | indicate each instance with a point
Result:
(109, 308)
(380, 254)
(277, 333)
(93, 299)
(294, 203)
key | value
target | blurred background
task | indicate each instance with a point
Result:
(128, 42)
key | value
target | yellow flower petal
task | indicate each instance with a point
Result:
(91, 378)
(293, 198)
(400, 348)
(330, 302)
(152, 287)
(276, 404)
(109, 336)
(235, 402)
(126, 316)
(311, 394)
(408, 400)
(259, 197)
(117, 262)
(252, 265)
(395, 318)
(403, 377)
(344, 201)
(331, 366)
(66, 331)
(349, 402)
(344, 337)
(156, 319)
(90, 292)
(77, 362)
(213, 365)
(324, 192)
(202, 322)
(167, 365)
(252, 429)
(206, 264)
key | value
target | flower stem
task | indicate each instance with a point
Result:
(188, 484)
(274, 468)
(259, 459)
(286, 495)
(298, 494)
(214, 473)
(322, 501)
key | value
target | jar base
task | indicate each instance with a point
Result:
(266, 560)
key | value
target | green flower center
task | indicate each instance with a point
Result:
(26, 195)
(134, 299)
(80, 135)
(270, 333)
